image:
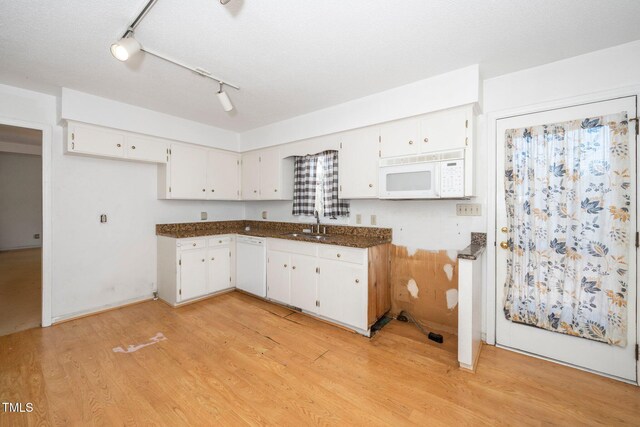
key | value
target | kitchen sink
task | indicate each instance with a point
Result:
(317, 237)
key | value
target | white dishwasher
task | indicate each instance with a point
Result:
(251, 272)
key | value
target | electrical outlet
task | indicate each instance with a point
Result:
(374, 220)
(358, 219)
(468, 209)
(203, 216)
(36, 236)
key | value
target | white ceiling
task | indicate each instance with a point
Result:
(291, 57)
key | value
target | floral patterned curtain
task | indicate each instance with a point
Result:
(568, 196)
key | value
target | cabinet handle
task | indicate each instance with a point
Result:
(202, 259)
(426, 140)
(118, 145)
(133, 147)
(410, 142)
(213, 191)
(285, 266)
(255, 191)
(194, 244)
(338, 255)
(294, 267)
(357, 280)
(275, 190)
(370, 185)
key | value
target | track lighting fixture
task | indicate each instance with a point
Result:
(128, 46)
(224, 99)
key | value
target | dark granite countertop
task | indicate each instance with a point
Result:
(356, 237)
(475, 249)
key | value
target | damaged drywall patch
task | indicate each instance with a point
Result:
(412, 287)
(133, 348)
(448, 270)
(452, 298)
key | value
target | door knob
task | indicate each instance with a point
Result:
(504, 229)
(504, 245)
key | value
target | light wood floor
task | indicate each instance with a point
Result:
(20, 290)
(236, 360)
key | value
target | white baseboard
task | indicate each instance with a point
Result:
(97, 310)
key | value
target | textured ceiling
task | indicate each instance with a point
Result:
(18, 135)
(291, 57)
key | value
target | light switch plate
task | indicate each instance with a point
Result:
(203, 216)
(468, 209)
(374, 220)
(358, 219)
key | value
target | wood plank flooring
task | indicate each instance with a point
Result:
(20, 290)
(236, 360)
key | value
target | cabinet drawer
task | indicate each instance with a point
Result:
(219, 240)
(342, 253)
(291, 246)
(186, 244)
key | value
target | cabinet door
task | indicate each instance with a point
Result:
(188, 172)
(94, 140)
(270, 173)
(223, 175)
(219, 268)
(342, 290)
(399, 138)
(145, 149)
(279, 276)
(193, 274)
(303, 282)
(250, 176)
(358, 164)
(444, 130)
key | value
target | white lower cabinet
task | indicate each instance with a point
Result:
(330, 281)
(194, 267)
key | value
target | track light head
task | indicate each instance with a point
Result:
(125, 48)
(224, 99)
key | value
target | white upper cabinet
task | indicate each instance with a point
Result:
(188, 176)
(358, 163)
(250, 176)
(266, 175)
(223, 175)
(444, 130)
(145, 149)
(94, 140)
(439, 131)
(400, 138)
(104, 142)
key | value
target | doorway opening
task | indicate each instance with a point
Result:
(20, 228)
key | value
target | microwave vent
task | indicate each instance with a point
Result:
(423, 158)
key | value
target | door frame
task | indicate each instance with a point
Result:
(491, 254)
(47, 186)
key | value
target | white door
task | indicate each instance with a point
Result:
(223, 175)
(270, 171)
(193, 274)
(303, 282)
(358, 164)
(342, 291)
(400, 138)
(250, 176)
(219, 268)
(188, 172)
(580, 352)
(444, 130)
(279, 276)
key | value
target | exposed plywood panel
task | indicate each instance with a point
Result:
(379, 289)
(425, 284)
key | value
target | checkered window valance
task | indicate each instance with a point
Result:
(316, 186)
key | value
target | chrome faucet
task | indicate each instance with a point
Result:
(317, 217)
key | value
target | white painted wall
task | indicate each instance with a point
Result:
(99, 265)
(20, 200)
(83, 107)
(455, 88)
(586, 78)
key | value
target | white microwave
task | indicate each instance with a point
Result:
(427, 176)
